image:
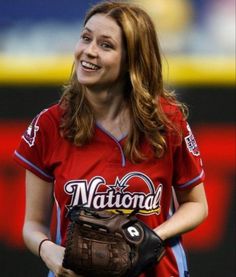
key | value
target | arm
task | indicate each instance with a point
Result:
(39, 204)
(192, 210)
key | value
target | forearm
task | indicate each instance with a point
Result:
(39, 206)
(33, 234)
(188, 216)
(51, 253)
(38, 212)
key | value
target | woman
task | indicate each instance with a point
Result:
(114, 122)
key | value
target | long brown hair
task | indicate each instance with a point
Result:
(144, 85)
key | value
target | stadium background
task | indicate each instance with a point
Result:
(198, 42)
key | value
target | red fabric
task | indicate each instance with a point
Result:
(99, 175)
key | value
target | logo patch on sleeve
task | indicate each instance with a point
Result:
(191, 142)
(31, 132)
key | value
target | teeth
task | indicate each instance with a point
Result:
(89, 65)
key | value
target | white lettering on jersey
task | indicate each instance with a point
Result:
(115, 196)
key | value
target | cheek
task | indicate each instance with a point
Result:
(118, 65)
(77, 51)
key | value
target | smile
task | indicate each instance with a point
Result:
(89, 66)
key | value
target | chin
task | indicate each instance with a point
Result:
(85, 80)
(87, 83)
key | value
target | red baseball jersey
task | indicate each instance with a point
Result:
(98, 175)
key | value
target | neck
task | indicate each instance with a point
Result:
(107, 104)
(110, 110)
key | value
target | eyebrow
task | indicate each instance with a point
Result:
(87, 29)
(104, 36)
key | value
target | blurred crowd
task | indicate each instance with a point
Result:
(53, 27)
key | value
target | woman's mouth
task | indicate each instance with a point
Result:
(89, 66)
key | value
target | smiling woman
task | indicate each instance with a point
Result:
(100, 55)
(115, 120)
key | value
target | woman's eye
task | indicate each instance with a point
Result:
(106, 45)
(85, 38)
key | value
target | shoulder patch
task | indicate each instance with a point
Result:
(191, 142)
(31, 132)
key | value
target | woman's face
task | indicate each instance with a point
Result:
(100, 54)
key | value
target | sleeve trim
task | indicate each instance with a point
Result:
(33, 166)
(192, 181)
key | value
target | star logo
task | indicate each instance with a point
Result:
(118, 187)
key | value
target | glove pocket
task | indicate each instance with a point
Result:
(93, 252)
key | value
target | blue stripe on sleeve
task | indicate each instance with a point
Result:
(192, 181)
(33, 166)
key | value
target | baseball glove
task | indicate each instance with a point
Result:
(101, 243)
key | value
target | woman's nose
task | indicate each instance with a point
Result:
(91, 49)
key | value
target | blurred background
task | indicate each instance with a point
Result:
(197, 38)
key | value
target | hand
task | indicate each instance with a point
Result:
(52, 255)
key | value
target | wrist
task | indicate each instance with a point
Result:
(42, 242)
(160, 234)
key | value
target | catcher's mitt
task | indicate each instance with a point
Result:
(101, 243)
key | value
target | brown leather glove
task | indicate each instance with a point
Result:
(101, 243)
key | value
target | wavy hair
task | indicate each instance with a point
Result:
(144, 85)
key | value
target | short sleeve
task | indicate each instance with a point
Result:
(36, 146)
(188, 167)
